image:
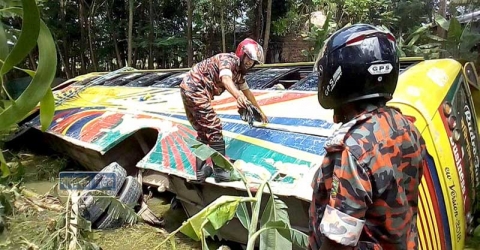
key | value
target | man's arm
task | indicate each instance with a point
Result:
(343, 220)
(230, 86)
(232, 89)
(251, 98)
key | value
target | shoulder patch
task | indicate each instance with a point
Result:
(336, 141)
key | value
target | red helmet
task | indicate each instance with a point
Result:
(252, 49)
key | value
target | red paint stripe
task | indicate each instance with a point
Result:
(63, 114)
(272, 100)
(187, 150)
(188, 130)
(165, 154)
(143, 116)
(428, 179)
(176, 154)
(233, 100)
(62, 125)
(91, 130)
(283, 98)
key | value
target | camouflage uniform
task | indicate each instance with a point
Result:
(365, 194)
(199, 87)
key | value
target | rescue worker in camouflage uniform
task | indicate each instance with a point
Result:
(209, 78)
(365, 193)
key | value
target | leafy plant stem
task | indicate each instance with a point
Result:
(67, 221)
(256, 211)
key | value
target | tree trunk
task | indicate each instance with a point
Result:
(74, 66)
(222, 26)
(115, 38)
(259, 24)
(90, 24)
(62, 59)
(267, 28)
(134, 58)
(189, 33)
(150, 36)
(82, 36)
(234, 29)
(443, 12)
(66, 64)
(130, 29)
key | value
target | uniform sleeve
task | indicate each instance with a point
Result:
(351, 192)
(226, 62)
(226, 66)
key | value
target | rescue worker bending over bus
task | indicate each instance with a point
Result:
(365, 193)
(209, 78)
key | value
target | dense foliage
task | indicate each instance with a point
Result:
(93, 35)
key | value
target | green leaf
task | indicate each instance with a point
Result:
(418, 31)
(29, 36)
(222, 214)
(243, 215)
(454, 30)
(3, 166)
(5, 170)
(442, 22)
(47, 110)
(256, 208)
(31, 73)
(414, 39)
(296, 237)
(216, 214)
(3, 44)
(209, 230)
(40, 83)
(275, 210)
(173, 244)
(435, 38)
(204, 152)
(204, 244)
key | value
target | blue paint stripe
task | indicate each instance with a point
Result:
(75, 129)
(317, 123)
(441, 201)
(307, 143)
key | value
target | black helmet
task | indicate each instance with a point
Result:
(357, 62)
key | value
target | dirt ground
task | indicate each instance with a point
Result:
(27, 228)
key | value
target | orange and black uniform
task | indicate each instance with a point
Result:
(365, 193)
(199, 87)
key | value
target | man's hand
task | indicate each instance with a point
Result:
(242, 101)
(264, 118)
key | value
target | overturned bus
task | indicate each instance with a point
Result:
(136, 118)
